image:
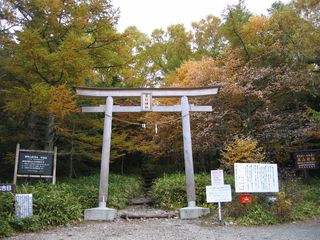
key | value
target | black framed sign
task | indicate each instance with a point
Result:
(35, 163)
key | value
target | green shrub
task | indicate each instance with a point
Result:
(6, 213)
(282, 209)
(32, 224)
(65, 202)
(169, 191)
(6, 204)
(121, 189)
(52, 205)
(306, 199)
(256, 215)
(85, 189)
(5, 228)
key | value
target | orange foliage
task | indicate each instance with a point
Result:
(61, 101)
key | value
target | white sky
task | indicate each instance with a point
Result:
(148, 15)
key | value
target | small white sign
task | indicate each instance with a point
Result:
(24, 205)
(216, 194)
(146, 102)
(217, 177)
(256, 177)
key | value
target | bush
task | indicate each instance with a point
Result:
(6, 213)
(52, 205)
(282, 209)
(306, 199)
(65, 202)
(241, 149)
(169, 193)
(256, 215)
(121, 189)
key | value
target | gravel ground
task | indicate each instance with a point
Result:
(175, 228)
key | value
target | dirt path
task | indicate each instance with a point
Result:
(174, 228)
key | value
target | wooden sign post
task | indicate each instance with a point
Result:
(146, 95)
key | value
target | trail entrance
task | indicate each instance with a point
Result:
(146, 95)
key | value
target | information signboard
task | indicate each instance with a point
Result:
(23, 205)
(35, 163)
(256, 177)
(306, 160)
(217, 194)
(217, 177)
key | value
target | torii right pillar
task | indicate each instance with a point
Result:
(192, 211)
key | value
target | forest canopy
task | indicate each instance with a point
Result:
(268, 68)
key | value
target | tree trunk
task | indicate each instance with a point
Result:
(32, 127)
(50, 133)
(71, 152)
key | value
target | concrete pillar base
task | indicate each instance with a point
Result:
(193, 212)
(100, 214)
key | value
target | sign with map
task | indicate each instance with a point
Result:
(256, 178)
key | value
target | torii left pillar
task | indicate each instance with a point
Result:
(102, 212)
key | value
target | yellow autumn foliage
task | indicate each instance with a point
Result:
(243, 150)
(61, 101)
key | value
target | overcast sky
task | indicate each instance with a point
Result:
(148, 15)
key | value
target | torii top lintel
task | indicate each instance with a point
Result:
(155, 92)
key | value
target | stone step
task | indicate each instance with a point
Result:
(141, 201)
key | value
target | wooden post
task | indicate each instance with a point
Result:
(16, 164)
(105, 157)
(187, 146)
(54, 166)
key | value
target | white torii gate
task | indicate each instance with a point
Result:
(146, 95)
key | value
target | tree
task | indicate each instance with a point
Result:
(241, 150)
(235, 17)
(48, 48)
(166, 52)
(206, 37)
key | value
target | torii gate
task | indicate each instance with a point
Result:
(146, 94)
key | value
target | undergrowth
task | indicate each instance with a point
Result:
(296, 200)
(65, 202)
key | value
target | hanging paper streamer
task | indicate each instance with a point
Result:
(156, 128)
